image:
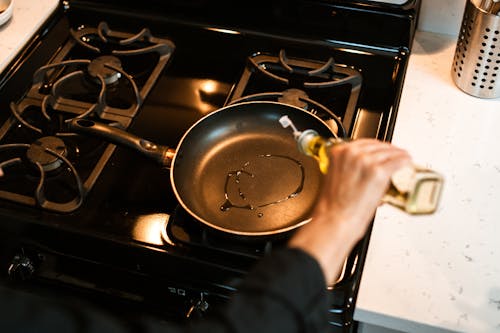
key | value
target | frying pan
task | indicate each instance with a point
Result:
(237, 169)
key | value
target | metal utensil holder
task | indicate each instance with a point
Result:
(476, 65)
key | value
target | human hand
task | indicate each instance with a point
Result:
(358, 177)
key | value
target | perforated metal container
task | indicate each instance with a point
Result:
(476, 66)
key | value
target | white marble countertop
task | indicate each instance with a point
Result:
(440, 272)
(27, 18)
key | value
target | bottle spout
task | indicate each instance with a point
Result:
(285, 121)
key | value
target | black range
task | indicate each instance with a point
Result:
(81, 215)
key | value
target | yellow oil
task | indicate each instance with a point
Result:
(317, 147)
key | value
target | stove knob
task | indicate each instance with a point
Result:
(198, 307)
(21, 268)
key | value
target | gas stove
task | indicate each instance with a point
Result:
(80, 214)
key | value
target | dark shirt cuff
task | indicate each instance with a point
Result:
(291, 284)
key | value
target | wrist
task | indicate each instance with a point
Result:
(328, 242)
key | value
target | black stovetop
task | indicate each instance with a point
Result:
(123, 234)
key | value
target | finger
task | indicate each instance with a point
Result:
(369, 146)
(396, 161)
(381, 156)
(369, 149)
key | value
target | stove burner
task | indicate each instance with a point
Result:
(104, 66)
(109, 83)
(46, 154)
(37, 152)
(104, 71)
(317, 86)
(183, 229)
(299, 98)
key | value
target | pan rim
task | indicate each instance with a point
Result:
(217, 227)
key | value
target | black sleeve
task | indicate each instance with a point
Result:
(285, 292)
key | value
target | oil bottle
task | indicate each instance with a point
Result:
(414, 189)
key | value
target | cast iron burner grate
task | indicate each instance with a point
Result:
(326, 89)
(183, 230)
(99, 71)
(45, 155)
(98, 74)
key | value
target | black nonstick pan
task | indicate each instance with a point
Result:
(237, 169)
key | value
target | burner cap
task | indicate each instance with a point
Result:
(37, 153)
(294, 97)
(98, 68)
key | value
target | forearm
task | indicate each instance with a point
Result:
(324, 240)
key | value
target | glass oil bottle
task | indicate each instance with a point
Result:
(414, 189)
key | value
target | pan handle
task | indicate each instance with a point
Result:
(161, 154)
